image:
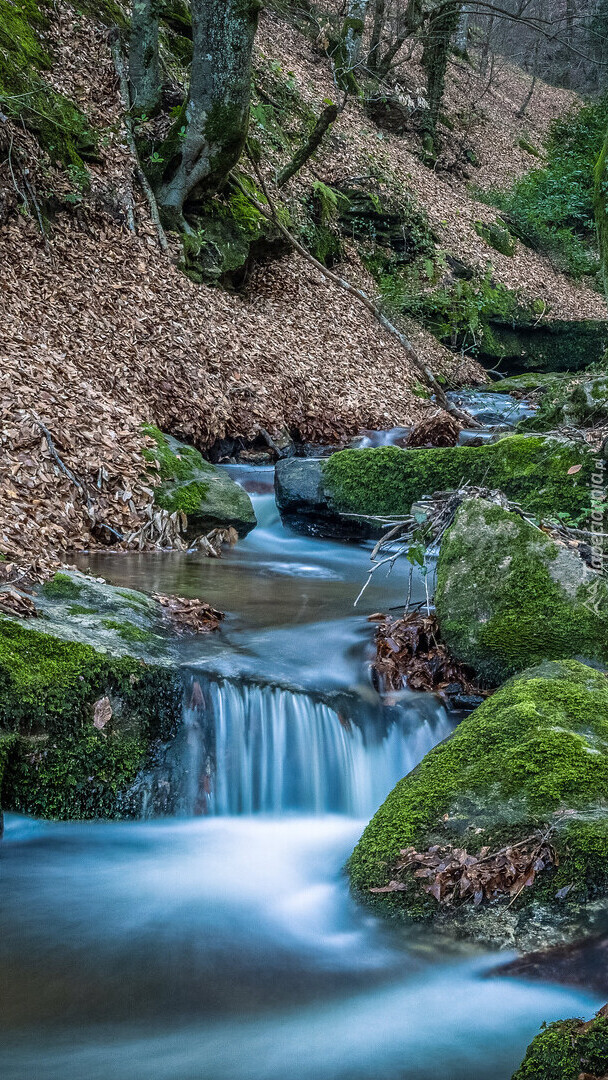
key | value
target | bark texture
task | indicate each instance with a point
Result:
(208, 138)
(144, 69)
(349, 50)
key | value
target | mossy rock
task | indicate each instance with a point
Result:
(543, 346)
(533, 757)
(317, 496)
(497, 235)
(529, 382)
(567, 402)
(80, 608)
(194, 487)
(508, 596)
(566, 1050)
(59, 763)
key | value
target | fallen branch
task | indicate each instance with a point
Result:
(301, 156)
(125, 97)
(269, 212)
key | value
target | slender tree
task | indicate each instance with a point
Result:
(208, 137)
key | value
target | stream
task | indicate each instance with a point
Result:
(221, 943)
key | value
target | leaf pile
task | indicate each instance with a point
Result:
(452, 876)
(409, 652)
(189, 615)
(438, 429)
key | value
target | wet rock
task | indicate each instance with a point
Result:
(521, 784)
(508, 595)
(77, 724)
(208, 497)
(326, 497)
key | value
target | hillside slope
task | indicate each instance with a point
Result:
(100, 331)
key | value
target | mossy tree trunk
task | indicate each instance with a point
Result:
(207, 139)
(349, 50)
(442, 24)
(144, 68)
(373, 56)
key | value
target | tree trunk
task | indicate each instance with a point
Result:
(442, 26)
(349, 49)
(208, 137)
(600, 202)
(462, 32)
(144, 69)
(373, 56)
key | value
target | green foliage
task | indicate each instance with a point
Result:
(565, 1050)
(459, 314)
(552, 208)
(538, 746)
(62, 587)
(61, 128)
(530, 470)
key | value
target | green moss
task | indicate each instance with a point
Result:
(531, 470)
(175, 461)
(505, 600)
(566, 1049)
(60, 127)
(79, 609)
(129, 632)
(525, 144)
(537, 747)
(62, 587)
(497, 236)
(60, 764)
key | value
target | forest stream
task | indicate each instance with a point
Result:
(222, 942)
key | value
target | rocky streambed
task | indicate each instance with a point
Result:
(215, 932)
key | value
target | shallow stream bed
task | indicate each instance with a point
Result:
(222, 944)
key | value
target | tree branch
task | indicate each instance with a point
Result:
(326, 119)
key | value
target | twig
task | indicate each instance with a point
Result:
(269, 211)
(125, 97)
(326, 119)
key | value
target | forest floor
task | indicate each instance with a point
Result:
(101, 332)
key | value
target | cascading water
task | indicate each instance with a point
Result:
(246, 748)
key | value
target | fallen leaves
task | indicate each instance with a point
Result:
(102, 714)
(453, 876)
(409, 651)
(189, 614)
(438, 429)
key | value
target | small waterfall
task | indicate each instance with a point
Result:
(246, 748)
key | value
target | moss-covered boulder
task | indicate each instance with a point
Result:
(508, 595)
(78, 725)
(318, 496)
(530, 344)
(568, 1050)
(530, 765)
(81, 608)
(193, 486)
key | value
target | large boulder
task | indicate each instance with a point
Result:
(501, 833)
(208, 497)
(508, 595)
(325, 497)
(568, 1050)
(77, 725)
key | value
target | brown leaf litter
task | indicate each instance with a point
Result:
(453, 877)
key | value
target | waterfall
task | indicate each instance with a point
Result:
(246, 748)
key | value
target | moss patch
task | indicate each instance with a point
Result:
(566, 1049)
(508, 596)
(62, 587)
(207, 496)
(532, 471)
(60, 765)
(497, 236)
(538, 747)
(60, 127)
